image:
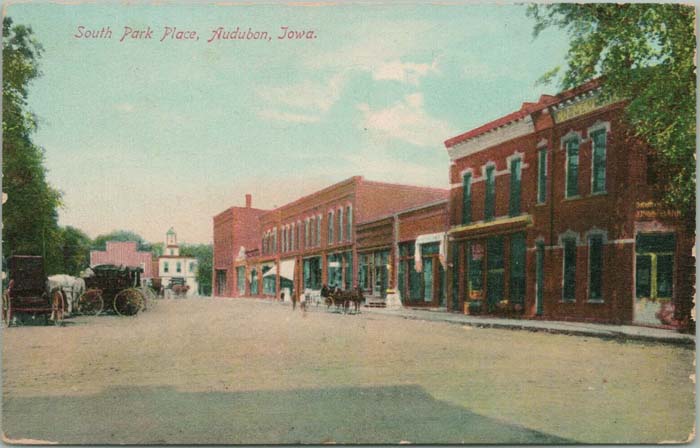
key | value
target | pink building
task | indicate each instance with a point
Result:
(124, 253)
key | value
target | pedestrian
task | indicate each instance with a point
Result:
(302, 300)
(294, 302)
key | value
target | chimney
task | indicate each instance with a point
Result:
(248, 200)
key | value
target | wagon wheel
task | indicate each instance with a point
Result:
(128, 302)
(149, 297)
(91, 302)
(6, 309)
(58, 306)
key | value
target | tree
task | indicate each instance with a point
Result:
(645, 54)
(204, 255)
(76, 250)
(100, 241)
(30, 216)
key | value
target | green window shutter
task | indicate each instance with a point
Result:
(517, 268)
(489, 208)
(595, 266)
(542, 176)
(467, 198)
(572, 168)
(599, 156)
(569, 293)
(515, 181)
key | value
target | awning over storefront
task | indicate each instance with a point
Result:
(272, 272)
(427, 239)
(489, 228)
(287, 269)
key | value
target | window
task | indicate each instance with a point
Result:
(569, 290)
(517, 268)
(192, 267)
(166, 267)
(274, 240)
(489, 208)
(330, 227)
(240, 279)
(341, 226)
(572, 168)
(306, 233)
(318, 230)
(467, 198)
(515, 180)
(595, 268)
(539, 285)
(598, 172)
(178, 267)
(542, 176)
(348, 223)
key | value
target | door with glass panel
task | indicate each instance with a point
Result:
(654, 262)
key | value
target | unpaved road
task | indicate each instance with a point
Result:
(243, 371)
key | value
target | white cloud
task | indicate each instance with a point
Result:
(303, 102)
(288, 117)
(406, 120)
(124, 107)
(407, 72)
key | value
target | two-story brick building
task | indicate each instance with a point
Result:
(551, 216)
(312, 241)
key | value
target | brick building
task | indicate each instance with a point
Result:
(235, 229)
(310, 241)
(125, 253)
(551, 216)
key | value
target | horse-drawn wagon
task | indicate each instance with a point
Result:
(113, 288)
(27, 294)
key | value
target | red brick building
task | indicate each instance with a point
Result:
(310, 241)
(235, 229)
(551, 216)
(125, 253)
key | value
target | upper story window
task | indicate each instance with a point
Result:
(348, 223)
(467, 198)
(330, 227)
(541, 176)
(178, 267)
(166, 267)
(515, 182)
(341, 226)
(192, 267)
(274, 240)
(598, 173)
(490, 197)
(571, 146)
(318, 230)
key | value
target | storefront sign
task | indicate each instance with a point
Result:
(580, 108)
(653, 210)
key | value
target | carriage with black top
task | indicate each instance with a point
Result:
(112, 288)
(27, 297)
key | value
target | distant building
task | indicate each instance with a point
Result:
(124, 253)
(312, 241)
(174, 268)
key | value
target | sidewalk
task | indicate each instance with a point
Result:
(623, 332)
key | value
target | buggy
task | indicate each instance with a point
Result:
(27, 293)
(114, 288)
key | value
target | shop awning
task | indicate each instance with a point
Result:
(489, 228)
(286, 270)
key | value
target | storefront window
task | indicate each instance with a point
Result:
(254, 282)
(475, 253)
(517, 268)
(312, 273)
(569, 293)
(595, 267)
(269, 281)
(348, 270)
(240, 279)
(495, 274)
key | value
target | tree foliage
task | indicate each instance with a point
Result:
(100, 241)
(645, 54)
(30, 216)
(204, 255)
(75, 245)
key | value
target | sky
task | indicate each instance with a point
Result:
(144, 134)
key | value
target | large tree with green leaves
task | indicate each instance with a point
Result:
(644, 54)
(30, 217)
(204, 255)
(75, 245)
(100, 241)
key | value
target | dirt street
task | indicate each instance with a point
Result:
(243, 371)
